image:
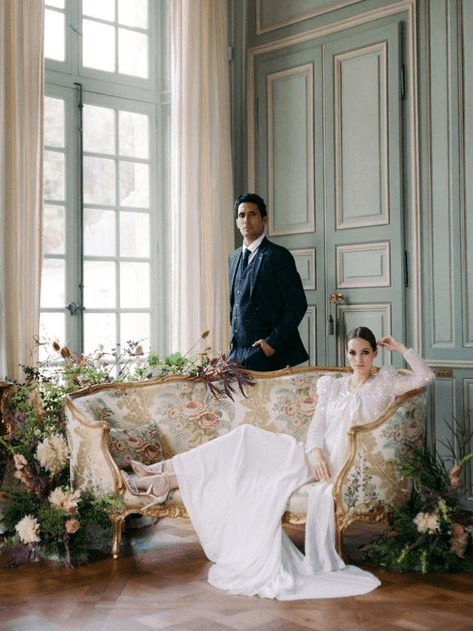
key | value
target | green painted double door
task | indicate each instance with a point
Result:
(327, 137)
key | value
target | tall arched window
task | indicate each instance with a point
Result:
(106, 184)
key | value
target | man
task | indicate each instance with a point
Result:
(267, 300)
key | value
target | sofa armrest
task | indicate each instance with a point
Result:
(92, 466)
(370, 481)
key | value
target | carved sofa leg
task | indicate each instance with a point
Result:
(117, 535)
(338, 539)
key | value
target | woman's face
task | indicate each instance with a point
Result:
(360, 355)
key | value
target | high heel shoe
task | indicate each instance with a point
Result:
(144, 470)
(151, 490)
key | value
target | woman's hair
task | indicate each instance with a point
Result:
(365, 333)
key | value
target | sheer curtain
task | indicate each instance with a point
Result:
(201, 190)
(21, 180)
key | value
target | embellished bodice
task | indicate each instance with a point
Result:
(338, 408)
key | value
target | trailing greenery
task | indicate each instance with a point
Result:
(40, 512)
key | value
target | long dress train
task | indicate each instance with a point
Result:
(235, 489)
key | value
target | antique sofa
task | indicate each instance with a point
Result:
(108, 425)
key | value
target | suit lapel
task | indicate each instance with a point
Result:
(233, 268)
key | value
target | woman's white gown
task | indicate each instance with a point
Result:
(236, 488)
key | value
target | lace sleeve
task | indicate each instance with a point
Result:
(316, 431)
(422, 376)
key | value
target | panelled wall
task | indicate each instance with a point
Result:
(354, 119)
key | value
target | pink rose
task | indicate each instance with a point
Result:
(459, 540)
(413, 431)
(308, 405)
(151, 453)
(291, 409)
(136, 442)
(72, 525)
(209, 421)
(193, 409)
(20, 461)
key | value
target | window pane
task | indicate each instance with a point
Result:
(99, 285)
(53, 122)
(54, 187)
(99, 181)
(134, 285)
(99, 129)
(54, 230)
(52, 327)
(103, 9)
(99, 233)
(59, 4)
(134, 235)
(135, 328)
(98, 41)
(134, 184)
(133, 134)
(133, 13)
(132, 53)
(99, 330)
(53, 283)
(54, 38)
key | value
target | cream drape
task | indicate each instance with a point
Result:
(201, 189)
(21, 180)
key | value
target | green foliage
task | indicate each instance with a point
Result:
(19, 504)
(51, 522)
(430, 532)
(426, 470)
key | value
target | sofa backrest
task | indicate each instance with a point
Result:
(176, 414)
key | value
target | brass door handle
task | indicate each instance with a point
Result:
(336, 297)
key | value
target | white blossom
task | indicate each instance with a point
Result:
(65, 500)
(53, 453)
(427, 522)
(28, 529)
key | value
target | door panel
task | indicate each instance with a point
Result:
(328, 161)
(364, 210)
(289, 169)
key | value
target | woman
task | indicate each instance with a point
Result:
(236, 487)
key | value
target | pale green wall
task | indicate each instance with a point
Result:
(439, 317)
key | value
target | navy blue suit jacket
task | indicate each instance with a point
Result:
(278, 300)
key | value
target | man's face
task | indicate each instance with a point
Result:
(250, 222)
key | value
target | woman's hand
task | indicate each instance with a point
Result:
(319, 464)
(390, 344)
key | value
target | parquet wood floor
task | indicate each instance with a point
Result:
(159, 583)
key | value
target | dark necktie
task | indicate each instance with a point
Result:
(246, 256)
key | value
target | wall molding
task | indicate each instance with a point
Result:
(311, 13)
(383, 217)
(412, 151)
(307, 71)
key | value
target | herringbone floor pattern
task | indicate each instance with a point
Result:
(160, 583)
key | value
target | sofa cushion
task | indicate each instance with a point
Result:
(140, 443)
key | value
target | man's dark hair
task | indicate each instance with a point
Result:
(251, 198)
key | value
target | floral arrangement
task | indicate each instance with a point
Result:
(41, 515)
(431, 532)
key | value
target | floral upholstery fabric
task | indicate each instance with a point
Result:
(148, 421)
(373, 479)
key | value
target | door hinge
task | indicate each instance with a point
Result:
(406, 269)
(403, 82)
(230, 53)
